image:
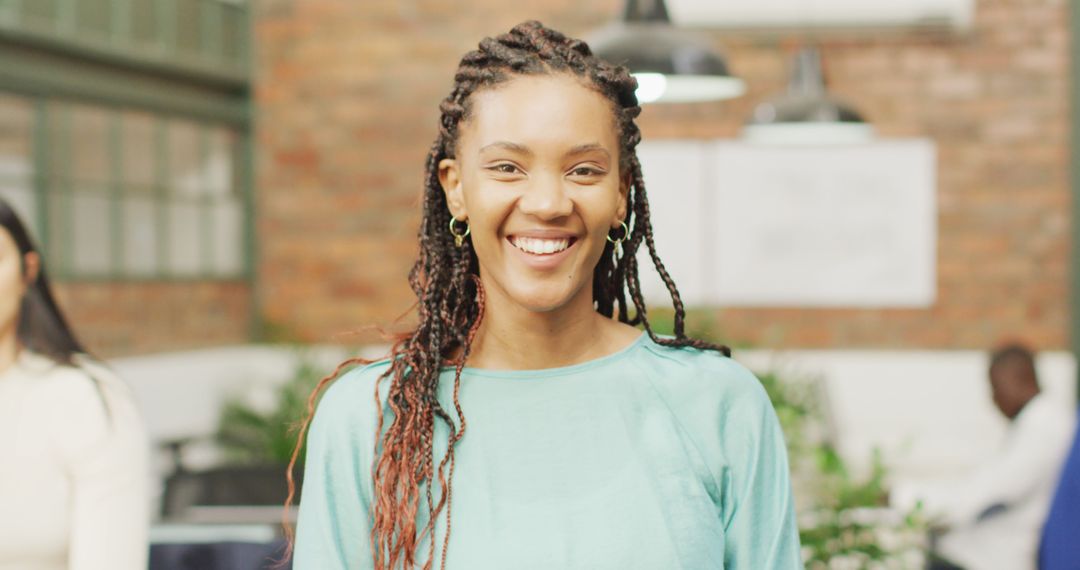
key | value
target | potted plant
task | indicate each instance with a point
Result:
(257, 442)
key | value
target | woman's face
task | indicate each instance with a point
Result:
(12, 280)
(537, 177)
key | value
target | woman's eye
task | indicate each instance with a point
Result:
(586, 171)
(505, 168)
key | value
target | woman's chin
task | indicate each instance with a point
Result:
(543, 305)
(543, 299)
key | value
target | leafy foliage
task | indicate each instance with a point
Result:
(252, 436)
(843, 519)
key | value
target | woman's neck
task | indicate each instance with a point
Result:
(511, 337)
(9, 348)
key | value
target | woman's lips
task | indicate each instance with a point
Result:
(541, 245)
(542, 253)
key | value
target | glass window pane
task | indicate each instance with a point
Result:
(57, 143)
(58, 186)
(228, 236)
(144, 22)
(172, 191)
(189, 27)
(139, 141)
(219, 162)
(227, 216)
(39, 13)
(58, 207)
(214, 31)
(140, 239)
(82, 169)
(186, 168)
(16, 158)
(89, 144)
(91, 239)
(185, 238)
(186, 189)
(93, 17)
(232, 35)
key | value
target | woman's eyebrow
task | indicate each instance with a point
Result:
(507, 145)
(588, 147)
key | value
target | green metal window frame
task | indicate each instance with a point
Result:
(56, 188)
(59, 25)
(55, 62)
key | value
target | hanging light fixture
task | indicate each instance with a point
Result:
(671, 65)
(806, 114)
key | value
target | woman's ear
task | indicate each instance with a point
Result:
(450, 180)
(31, 267)
(620, 207)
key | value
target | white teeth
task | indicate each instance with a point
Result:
(539, 246)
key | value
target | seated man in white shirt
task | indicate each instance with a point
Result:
(992, 519)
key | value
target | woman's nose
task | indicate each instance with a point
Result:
(546, 198)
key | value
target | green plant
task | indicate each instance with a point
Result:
(700, 323)
(843, 519)
(795, 405)
(251, 436)
(271, 331)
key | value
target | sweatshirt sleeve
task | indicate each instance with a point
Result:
(334, 524)
(758, 509)
(101, 439)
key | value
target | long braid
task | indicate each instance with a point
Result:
(450, 299)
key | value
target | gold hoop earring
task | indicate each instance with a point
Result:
(625, 234)
(459, 238)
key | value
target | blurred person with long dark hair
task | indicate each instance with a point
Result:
(73, 478)
(589, 443)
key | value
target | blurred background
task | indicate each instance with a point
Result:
(875, 196)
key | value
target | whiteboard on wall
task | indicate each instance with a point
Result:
(739, 224)
(675, 175)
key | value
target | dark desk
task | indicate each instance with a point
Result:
(218, 556)
(220, 538)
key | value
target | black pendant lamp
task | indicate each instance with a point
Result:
(671, 65)
(806, 113)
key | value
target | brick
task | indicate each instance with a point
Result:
(120, 319)
(348, 95)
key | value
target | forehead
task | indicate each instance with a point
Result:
(7, 242)
(1008, 368)
(540, 110)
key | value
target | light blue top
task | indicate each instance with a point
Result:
(651, 457)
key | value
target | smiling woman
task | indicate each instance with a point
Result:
(591, 444)
(535, 178)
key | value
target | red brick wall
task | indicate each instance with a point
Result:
(120, 319)
(348, 93)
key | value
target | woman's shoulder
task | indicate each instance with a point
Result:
(360, 378)
(704, 375)
(72, 384)
(84, 404)
(349, 400)
(721, 404)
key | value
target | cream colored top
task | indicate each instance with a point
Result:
(73, 471)
(1016, 485)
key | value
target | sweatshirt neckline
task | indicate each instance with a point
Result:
(588, 365)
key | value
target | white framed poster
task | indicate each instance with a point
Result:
(791, 226)
(676, 173)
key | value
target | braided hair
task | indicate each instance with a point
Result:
(450, 299)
